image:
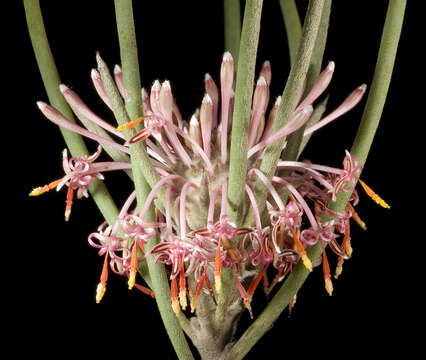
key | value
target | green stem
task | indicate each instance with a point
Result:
(291, 93)
(240, 127)
(292, 25)
(360, 149)
(51, 81)
(131, 78)
(381, 80)
(242, 108)
(232, 18)
(295, 139)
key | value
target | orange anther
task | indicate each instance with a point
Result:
(145, 290)
(306, 261)
(101, 288)
(326, 270)
(356, 217)
(68, 202)
(373, 195)
(133, 266)
(182, 287)
(131, 124)
(42, 189)
(175, 296)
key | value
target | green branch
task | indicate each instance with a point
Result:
(293, 26)
(232, 19)
(360, 149)
(51, 81)
(242, 107)
(139, 159)
(240, 127)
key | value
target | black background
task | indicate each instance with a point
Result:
(54, 271)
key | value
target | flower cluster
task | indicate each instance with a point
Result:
(192, 233)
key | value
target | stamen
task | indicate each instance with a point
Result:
(175, 298)
(255, 283)
(346, 245)
(326, 270)
(68, 202)
(145, 290)
(182, 287)
(356, 217)
(133, 266)
(306, 261)
(101, 288)
(265, 283)
(243, 294)
(373, 195)
(291, 304)
(42, 189)
(131, 124)
(200, 283)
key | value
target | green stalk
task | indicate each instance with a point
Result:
(290, 95)
(240, 128)
(360, 149)
(242, 107)
(51, 81)
(232, 18)
(131, 78)
(293, 26)
(295, 139)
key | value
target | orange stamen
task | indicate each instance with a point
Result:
(326, 271)
(198, 288)
(373, 195)
(182, 287)
(131, 124)
(265, 283)
(175, 297)
(140, 243)
(218, 270)
(346, 245)
(255, 283)
(209, 288)
(42, 189)
(101, 288)
(68, 203)
(356, 217)
(243, 294)
(291, 304)
(306, 261)
(145, 290)
(133, 266)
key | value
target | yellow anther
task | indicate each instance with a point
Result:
(39, 190)
(356, 217)
(100, 291)
(130, 124)
(307, 262)
(42, 189)
(348, 249)
(176, 306)
(373, 195)
(339, 269)
(182, 299)
(132, 279)
(218, 283)
(328, 286)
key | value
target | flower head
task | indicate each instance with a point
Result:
(193, 235)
